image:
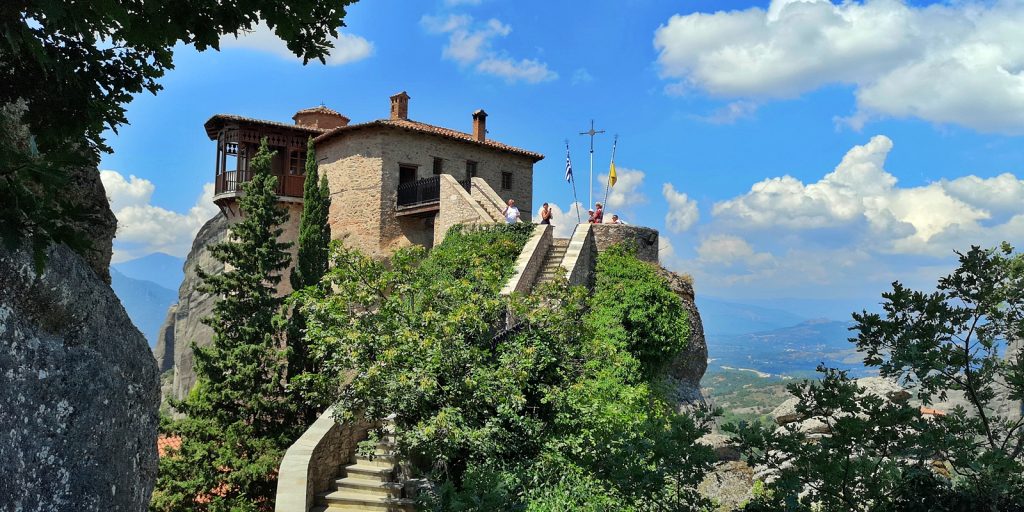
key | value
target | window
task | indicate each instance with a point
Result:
(506, 181)
(406, 173)
(438, 165)
(470, 169)
(297, 163)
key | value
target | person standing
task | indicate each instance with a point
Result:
(599, 214)
(511, 213)
(545, 214)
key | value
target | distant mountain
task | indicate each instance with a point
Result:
(162, 269)
(722, 317)
(145, 301)
(796, 349)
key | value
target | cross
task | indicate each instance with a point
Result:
(591, 132)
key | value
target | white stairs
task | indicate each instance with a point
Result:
(368, 484)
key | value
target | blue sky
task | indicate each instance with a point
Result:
(785, 149)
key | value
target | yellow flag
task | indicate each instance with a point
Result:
(611, 176)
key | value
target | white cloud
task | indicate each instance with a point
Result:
(729, 250)
(730, 113)
(861, 199)
(143, 228)
(347, 47)
(581, 76)
(471, 43)
(682, 211)
(626, 192)
(527, 70)
(957, 63)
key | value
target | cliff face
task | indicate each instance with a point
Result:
(78, 403)
(686, 370)
(184, 320)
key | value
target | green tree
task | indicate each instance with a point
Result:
(68, 68)
(310, 267)
(239, 419)
(962, 339)
(499, 416)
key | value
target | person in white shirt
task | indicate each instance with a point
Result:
(511, 213)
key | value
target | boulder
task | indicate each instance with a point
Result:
(730, 484)
(722, 445)
(884, 388)
(786, 413)
(78, 404)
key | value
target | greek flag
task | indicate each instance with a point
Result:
(568, 165)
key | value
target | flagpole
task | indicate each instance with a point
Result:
(591, 132)
(572, 179)
(608, 182)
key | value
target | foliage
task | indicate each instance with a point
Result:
(239, 417)
(636, 310)
(310, 266)
(500, 417)
(34, 199)
(881, 455)
(72, 66)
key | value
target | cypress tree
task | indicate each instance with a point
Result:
(314, 232)
(310, 266)
(239, 416)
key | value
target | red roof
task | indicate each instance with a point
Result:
(320, 109)
(419, 127)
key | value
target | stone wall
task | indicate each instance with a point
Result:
(352, 165)
(315, 460)
(362, 172)
(530, 261)
(645, 239)
(457, 207)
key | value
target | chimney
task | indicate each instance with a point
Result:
(400, 106)
(480, 125)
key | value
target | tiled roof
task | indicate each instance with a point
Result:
(417, 126)
(320, 109)
(211, 123)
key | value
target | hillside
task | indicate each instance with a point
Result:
(145, 301)
(160, 268)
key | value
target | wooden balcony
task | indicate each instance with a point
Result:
(230, 183)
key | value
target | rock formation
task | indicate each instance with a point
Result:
(687, 369)
(78, 404)
(184, 324)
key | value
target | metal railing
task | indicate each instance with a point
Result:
(425, 191)
(287, 185)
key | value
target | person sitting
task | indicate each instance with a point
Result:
(590, 216)
(617, 220)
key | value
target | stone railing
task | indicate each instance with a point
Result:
(488, 198)
(315, 460)
(581, 257)
(530, 261)
(457, 207)
(645, 239)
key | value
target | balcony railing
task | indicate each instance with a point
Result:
(287, 185)
(425, 191)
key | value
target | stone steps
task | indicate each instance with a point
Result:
(368, 484)
(553, 260)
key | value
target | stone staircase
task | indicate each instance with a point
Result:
(369, 484)
(552, 260)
